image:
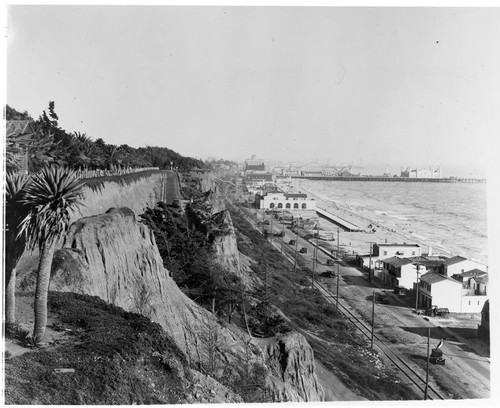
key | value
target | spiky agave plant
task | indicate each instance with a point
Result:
(15, 212)
(53, 194)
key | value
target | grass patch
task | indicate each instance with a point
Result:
(117, 358)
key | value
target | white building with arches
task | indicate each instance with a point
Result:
(286, 201)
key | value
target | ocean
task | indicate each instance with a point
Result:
(449, 217)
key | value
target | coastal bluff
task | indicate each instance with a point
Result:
(115, 257)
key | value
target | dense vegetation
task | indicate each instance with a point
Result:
(54, 145)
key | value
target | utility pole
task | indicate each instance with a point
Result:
(314, 264)
(370, 265)
(296, 245)
(263, 217)
(373, 317)
(282, 229)
(338, 283)
(427, 371)
(338, 243)
(416, 297)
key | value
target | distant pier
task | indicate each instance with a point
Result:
(395, 179)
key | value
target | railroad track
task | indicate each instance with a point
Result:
(416, 377)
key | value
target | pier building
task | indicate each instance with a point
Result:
(287, 201)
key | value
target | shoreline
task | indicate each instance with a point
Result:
(359, 242)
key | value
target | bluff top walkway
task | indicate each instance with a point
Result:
(346, 225)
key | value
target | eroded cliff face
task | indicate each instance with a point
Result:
(225, 244)
(114, 257)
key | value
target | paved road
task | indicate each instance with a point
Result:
(171, 187)
(396, 322)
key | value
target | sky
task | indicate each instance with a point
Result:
(398, 86)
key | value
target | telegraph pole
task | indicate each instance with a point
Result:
(283, 229)
(373, 317)
(338, 282)
(338, 267)
(427, 371)
(370, 265)
(416, 297)
(338, 243)
(296, 245)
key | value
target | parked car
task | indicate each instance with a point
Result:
(292, 242)
(330, 261)
(303, 250)
(328, 274)
(436, 357)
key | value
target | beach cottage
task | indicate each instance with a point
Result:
(458, 264)
(401, 272)
(435, 289)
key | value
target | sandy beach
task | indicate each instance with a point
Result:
(359, 242)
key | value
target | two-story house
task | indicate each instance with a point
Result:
(435, 289)
(401, 272)
(458, 264)
(382, 251)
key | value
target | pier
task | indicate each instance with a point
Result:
(394, 179)
(346, 225)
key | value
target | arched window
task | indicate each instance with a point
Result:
(271, 205)
(287, 205)
(304, 205)
(280, 205)
(296, 205)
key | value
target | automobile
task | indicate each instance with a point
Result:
(328, 274)
(292, 242)
(266, 222)
(329, 261)
(303, 250)
(437, 357)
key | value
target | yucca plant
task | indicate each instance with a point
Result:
(15, 212)
(53, 194)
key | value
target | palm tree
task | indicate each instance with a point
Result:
(15, 212)
(52, 195)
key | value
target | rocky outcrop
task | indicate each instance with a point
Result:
(114, 257)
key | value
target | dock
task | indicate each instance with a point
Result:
(394, 179)
(346, 225)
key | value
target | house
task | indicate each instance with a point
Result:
(379, 252)
(20, 135)
(483, 330)
(458, 264)
(435, 289)
(430, 263)
(474, 280)
(400, 272)
(384, 251)
(467, 296)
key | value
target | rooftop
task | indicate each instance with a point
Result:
(432, 277)
(454, 260)
(398, 245)
(396, 262)
(14, 128)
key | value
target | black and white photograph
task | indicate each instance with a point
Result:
(249, 202)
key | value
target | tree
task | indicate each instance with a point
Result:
(15, 212)
(52, 195)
